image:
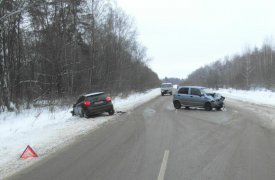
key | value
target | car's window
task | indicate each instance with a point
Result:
(183, 90)
(80, 99)
(195, 91)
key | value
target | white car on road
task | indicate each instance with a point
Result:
(166, 88)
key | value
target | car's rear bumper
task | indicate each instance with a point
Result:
(98, 109)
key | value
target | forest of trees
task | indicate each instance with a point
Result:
(254, 68)
(173, 80)
(54, 49)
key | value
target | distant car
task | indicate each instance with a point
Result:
(91, 104)
(195, 96)
(166, 88)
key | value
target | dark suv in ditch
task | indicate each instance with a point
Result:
(196, 96)
(93, 103)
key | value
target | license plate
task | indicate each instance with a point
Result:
(98, 102)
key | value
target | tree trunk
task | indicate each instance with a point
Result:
(4, 78)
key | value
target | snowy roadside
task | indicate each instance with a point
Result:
(264, 97)
(47, 131)
(261, 102)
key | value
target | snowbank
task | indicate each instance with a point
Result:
(47, 131)
(265, 97)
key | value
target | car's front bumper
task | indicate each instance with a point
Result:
(217, 104)
(166, 91)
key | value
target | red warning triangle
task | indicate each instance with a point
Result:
(29, 152)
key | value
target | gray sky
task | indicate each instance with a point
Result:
(183, 35)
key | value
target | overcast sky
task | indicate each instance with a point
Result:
(183, 35)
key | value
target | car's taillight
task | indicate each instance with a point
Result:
(108, 99)
(87, 103)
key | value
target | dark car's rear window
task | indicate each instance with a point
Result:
(97, 97)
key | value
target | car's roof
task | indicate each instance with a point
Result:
(93, 94)
(199, 87)
(166, 83)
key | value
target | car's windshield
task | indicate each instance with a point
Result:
(166, 85)
(207, 91)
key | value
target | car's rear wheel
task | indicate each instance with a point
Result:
(171, 93)
(208, 106)
(177, 104)
(72, 112)
(83, 114)
(111, 112)
(162, 94)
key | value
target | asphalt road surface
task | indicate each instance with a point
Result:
(157, 142)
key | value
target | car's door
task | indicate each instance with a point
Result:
(196, 97)
(78, 105)
(183, 95)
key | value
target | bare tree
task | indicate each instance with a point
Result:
(53, 49)
(252, 68)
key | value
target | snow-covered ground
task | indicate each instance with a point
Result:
(261, 102)
(265, 97)
(46, 131)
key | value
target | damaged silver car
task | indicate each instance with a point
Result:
(196, 96)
